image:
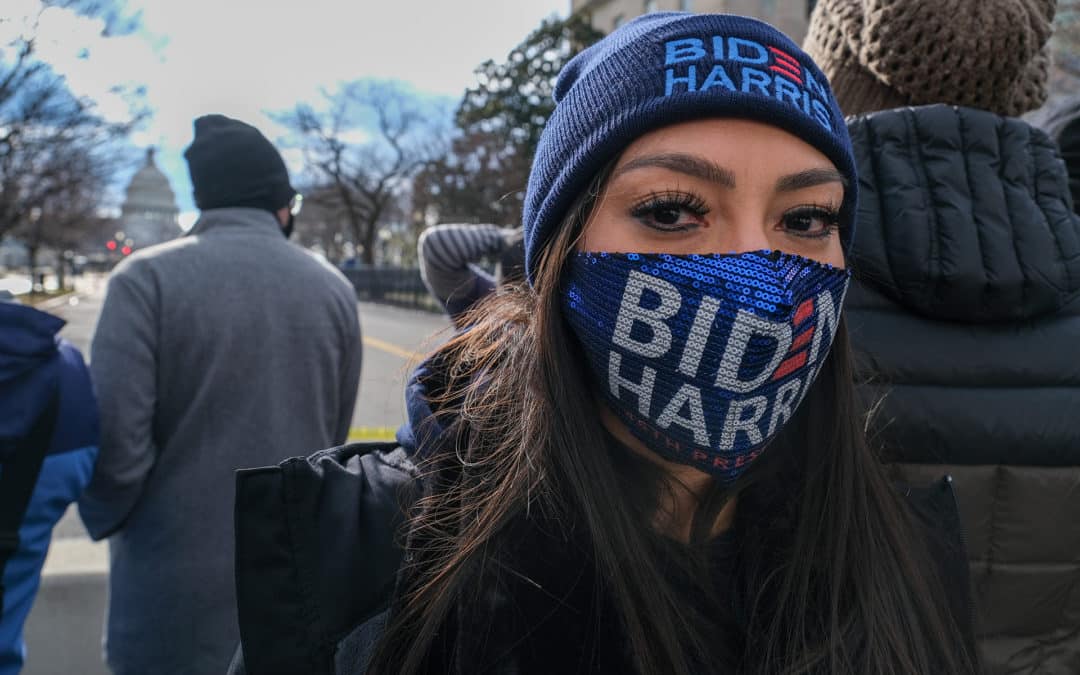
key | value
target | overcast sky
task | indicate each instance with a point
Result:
(244, 58)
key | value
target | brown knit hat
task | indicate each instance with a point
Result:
(880, 54)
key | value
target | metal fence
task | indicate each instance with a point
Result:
(400, 286)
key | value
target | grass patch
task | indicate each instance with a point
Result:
(36, 297)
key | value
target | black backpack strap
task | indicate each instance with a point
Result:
(19, 477)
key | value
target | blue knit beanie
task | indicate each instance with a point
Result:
(669, 67)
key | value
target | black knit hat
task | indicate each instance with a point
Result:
(233, 165)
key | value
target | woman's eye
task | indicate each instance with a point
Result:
(667, 215)
(670, 213)
(812, 222)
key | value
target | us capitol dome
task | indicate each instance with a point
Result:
(149, 213)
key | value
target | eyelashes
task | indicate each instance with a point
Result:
(677, 211)
(673, 198)
(670, 211)
(813, 221)
(680, 211)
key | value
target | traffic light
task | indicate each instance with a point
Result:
(126, 250)
(111, 245)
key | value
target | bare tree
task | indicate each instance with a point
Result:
(57, 153)
(66, 216)
(499, 121)
(362, 178)
(481, 179)
(318, 225)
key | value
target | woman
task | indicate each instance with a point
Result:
(652, 462)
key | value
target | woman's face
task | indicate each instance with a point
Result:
(719, 186)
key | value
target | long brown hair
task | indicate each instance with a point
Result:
(836, 578)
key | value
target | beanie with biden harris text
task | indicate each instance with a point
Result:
(669, 67)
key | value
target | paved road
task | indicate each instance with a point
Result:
(395, 340)
(64, 630)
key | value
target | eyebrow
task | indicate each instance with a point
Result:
(704, 169)
(808, 179)
(682, 163)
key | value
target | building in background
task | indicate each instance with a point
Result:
(149, 213)
(790, 16)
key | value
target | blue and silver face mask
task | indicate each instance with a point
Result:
(704, 357)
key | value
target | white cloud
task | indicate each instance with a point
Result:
(92, 63)
(18, 19)
(355, 136)
(294, 161)
(65, 30)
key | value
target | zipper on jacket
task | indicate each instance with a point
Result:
(967, 561)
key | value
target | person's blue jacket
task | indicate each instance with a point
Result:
(35, 364)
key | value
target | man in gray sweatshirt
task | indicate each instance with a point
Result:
(227, 348)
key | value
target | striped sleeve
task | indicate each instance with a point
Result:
(447, 254)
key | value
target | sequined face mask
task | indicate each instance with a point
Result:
(704, 357)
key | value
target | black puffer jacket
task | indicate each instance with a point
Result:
(966, 315)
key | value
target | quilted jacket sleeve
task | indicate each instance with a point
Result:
(316, 553)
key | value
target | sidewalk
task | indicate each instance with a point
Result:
(63, 633)
(63, 636)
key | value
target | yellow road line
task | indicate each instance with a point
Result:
(372, 433)
(391, 348)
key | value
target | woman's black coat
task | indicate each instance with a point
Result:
(317, 556)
